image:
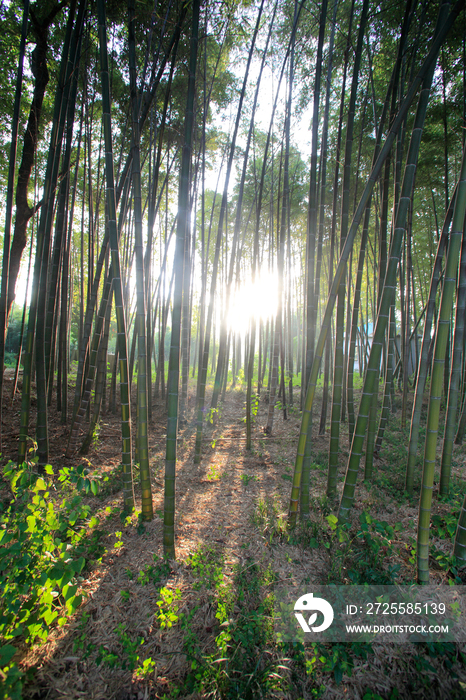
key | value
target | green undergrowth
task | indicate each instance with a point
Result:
(243, 660)
(358, 553)
(47, 532)
(50, 533)
(243, 657)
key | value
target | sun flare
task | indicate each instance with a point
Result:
(253, 300)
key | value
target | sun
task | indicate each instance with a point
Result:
(256, 300)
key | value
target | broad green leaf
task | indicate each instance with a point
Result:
(69, 592)
(74, 603)
(66, 578)
(78, 565)
(40, 485)
(7, 651)
(5, 537)
(49, 616)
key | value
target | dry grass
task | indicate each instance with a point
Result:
(217, 505)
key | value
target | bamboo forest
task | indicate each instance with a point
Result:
(232, 356)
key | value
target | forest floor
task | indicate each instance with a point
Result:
(200, 626)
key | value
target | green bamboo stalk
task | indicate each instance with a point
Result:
(274, 360)
(455, 377)
(423, 360)
(86, 379)
(35, 331)
(461, 425)
(387, 297)
(333, 455)
(443, 329)
(311, 298)
(388, 383)
(9, 205)
(115, 258)
(223, 329)
(185, 322)
(459, 549)
(354, 325)
(153, 208)
(68, 89)
(174, 360)
(370, 443)
(52, 304)
(311, 238)
(323, 180)
(407, 317)
(23, 322)
(81, 375)
(255, 261)
(121, 197)
(364, 237)
(142, 418)
(326, 321)
(101, 370)
(307, 355)
(65, 307)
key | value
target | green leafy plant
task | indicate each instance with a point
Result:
(237, 669)
(95, 435)
(254, 408)
(445, 526)
(167, 614)
(213, 415)
(147, 668)
(107, 657)
(144, 576)
(448, 563)
(359, 556)
(338, 658)
(128, 658)
(208, 567)
(157, 572)
(214, 473)
(81, 643)
(160, 571)
(41, 558)
(130, 646)
(247, 478)
(269, 520)
(79, 477)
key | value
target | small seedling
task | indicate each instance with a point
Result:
(168, 607)
(246, 478)
(214, 473)
(143, 577)
(147, 669)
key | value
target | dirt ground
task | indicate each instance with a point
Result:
(216, 506)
